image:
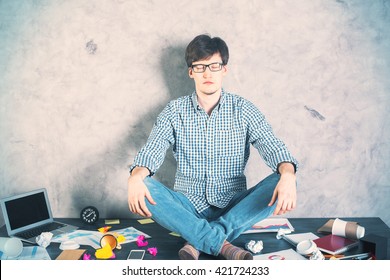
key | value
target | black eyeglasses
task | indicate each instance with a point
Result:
(200, 68)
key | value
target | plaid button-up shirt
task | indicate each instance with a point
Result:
(211, 151)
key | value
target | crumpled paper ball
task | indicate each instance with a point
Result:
(141, 242)
(44, 239)
(104, 229)
(317, 256)
(254, 246)
(152, 251)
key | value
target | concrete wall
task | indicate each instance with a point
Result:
(81, 83)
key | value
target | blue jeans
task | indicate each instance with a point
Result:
(208, 230)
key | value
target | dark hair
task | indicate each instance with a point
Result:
(203, 47)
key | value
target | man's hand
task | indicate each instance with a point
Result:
(285, 191)
(137, 191)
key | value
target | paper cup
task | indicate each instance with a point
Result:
(306, 247)
(11, 247)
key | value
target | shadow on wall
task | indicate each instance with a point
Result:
(92, 186)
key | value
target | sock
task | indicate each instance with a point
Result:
(188, 252)
(231, 252)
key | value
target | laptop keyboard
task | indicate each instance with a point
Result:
(38, 230)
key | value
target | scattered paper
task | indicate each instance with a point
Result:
(82, 237)
(92, 238)
(29, 253)
(271, 225)
(131, 234)
(288, 254)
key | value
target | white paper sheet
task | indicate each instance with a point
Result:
(30, 253)
(288, 254)
(92, 238)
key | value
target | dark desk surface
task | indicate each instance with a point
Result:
(168, 245)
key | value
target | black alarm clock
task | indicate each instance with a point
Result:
(89, 215)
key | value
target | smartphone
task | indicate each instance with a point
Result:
(136, 255)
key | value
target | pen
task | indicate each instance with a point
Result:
(328, 256)
(353, 257)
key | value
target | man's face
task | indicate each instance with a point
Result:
(208, 82)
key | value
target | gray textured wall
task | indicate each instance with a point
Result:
(81, 83)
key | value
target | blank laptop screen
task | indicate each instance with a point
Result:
(27, 210)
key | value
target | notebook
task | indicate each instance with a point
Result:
(334, 244)
(270, 225)
(27, 215)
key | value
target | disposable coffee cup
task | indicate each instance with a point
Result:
(11, 247)
(306, 248)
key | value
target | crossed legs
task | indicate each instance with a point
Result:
(212, 230)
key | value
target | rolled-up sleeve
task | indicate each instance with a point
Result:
(161, 137)
(261, 136)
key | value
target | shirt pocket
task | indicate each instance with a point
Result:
(190, 149)
(230, 143)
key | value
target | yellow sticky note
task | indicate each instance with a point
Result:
(145, 221)
(112, 221)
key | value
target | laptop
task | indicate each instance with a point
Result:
(27, 215)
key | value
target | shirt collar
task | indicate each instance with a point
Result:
(195, 101)
(197, 106)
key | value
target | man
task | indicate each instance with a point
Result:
(211, 132)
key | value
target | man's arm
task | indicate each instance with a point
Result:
(148, 160)
(276, 155)
(286, 190)
(137, 191)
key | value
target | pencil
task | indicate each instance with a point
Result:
(328, 256)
